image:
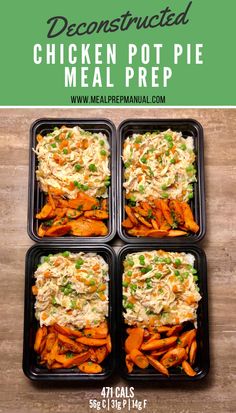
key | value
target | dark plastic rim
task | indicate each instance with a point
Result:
(35, 196)
(29, 364)
(203, 328)
(189, 127)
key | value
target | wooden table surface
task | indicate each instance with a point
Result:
(217, 392)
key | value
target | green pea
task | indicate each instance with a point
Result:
(92, 167)
(130, 306)
(183, 147)
(66, 254)
(103, 152)
(168, 138)
(78, 167)
(144, 159)
(65, 151)
(127, 164)
(178, 261)
(164, 195)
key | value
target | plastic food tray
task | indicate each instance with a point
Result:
(202, 361)
(32, 369)
(188, 127)
(36, 197)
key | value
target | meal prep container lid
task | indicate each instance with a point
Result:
(36, 196)
(202, 364)
(188, 127)
(30, 366)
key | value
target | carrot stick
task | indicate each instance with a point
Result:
(188, 369)
(90, 367)
(139, 359)
(66, 331)
(129, 363)
(193, 352)
(96, 342)
(134, 340)
(156, 344)
(157, 365)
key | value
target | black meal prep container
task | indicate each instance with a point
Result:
(32, 369)
(36, 197)
(188, 127)
(202, 364)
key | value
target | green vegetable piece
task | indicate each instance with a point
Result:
(78, 167)
(141, 259)
(65, 151)
(190, 168)
(65, 254)
(158, 275)
(130, 262)
(178, 261)
(78, 263)
(150, 214)
(145, 270)
(183, 147)
(73, 304)
(141, 189)
(92, 167)
(125, 284)
(168, 138)
(54, 302)
(69, 355)
(164, 195)
(53, 145)
(133, 287)
(101, 142)
(144, 159)
(127, 164)
(130, 306)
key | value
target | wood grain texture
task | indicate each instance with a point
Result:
(217, 392)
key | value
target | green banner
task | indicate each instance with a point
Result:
(126, 53)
